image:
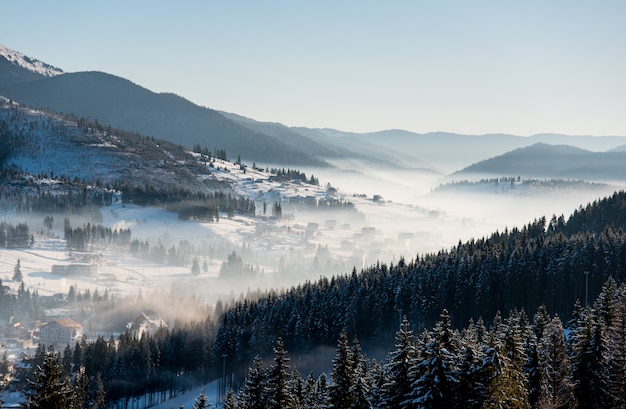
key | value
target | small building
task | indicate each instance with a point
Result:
(60, 332)
(368, 233)
(76, 269)
(311, 229)
(146, 322)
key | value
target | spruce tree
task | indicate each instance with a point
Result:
(581, 354)
(471, 390)
(504, 387)
(556, 389)
(17, 272)
(50, 387)
(597, 370)
(252, 395)
(617, 345)
(360, 388)
(231, 400)
(342, 376)
(278, 389)
(397, 387)
(436, 380)
(201, 402)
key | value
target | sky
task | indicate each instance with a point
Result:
(470, 67)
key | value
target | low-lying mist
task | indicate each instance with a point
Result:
(379, 215)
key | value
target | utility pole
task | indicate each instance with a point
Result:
(586, 289)
(224, 377)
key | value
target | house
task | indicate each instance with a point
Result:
(146, 322)
(311, 229)
(60, 332)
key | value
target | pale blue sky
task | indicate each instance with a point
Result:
(520, 67)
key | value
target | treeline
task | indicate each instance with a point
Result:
(514, 362)
(233, 268)
(15, 236)
(208, 154)
(181, 256)
(510, 364)
(292, 174)
(113, 371)
(510, 182)
(325, 203)
(22, 306)
(5, 142)
(208, 207)
(45, 192)
(538, 264)
(84, 238)
(188, 204)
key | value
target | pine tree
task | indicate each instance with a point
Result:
(471, 390)
(50, 388)
(360, 388)
(596, 372)
(278, 389)
(581, 356)
(540, 321)
(436, 378)
(342, 376)
(617, 344)
(397, 387)
(231, 400)
(17, 272)
(321, 392)
(556, 390)
(504, 381)
(195, 266)
(252, 395)
(201, 402)
(100, 396)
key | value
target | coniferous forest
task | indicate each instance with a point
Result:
(503, 321)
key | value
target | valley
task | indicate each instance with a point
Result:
(126, 220)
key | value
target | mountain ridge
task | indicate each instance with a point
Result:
(117, 102)
(552, 161)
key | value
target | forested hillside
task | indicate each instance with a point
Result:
(540, 263)
(511, 363)
(551, 161)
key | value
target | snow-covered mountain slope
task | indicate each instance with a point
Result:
(29, 63)
(42, 143)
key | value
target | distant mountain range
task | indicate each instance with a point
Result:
(119, 103)
(552, 161)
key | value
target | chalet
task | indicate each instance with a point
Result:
(146, 322)
(60, 332)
